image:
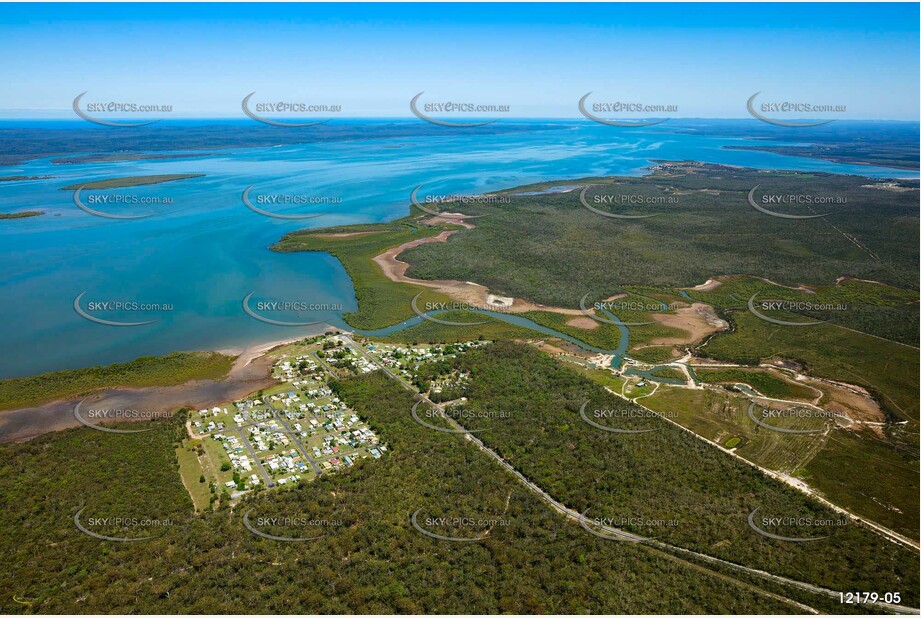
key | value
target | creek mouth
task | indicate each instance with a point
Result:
(248, 376)
(26, 423)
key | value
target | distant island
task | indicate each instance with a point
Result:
(23, 144)
(118, 157)
(18, 178)
(130, 181)
(21, 215)
(896, 156)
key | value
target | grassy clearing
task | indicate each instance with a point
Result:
(191, 471)
(889, 370)
(856, 471)
(604, 336)
(873, 308)
(668, 372)
(654, 354)
(168, 370)
(866, 475)
(721, 416)
(602, 377)
(632, 388)
(642, 335)
(764, 381)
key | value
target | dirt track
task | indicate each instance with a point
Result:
(467, 292)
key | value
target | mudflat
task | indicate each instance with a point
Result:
(247, 375)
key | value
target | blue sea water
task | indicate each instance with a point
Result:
(200, 255)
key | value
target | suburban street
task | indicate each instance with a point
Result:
(266, 477)
(294, 437)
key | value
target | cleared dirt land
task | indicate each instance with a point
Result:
(698, 321)
(467, 292)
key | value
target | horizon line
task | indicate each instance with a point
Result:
(167, 118)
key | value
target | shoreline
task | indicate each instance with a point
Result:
(246, 355)
(249, 373)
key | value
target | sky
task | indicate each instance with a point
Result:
(538, 59)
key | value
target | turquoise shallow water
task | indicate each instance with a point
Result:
(203, 253)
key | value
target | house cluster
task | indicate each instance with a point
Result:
(288, 432)
(394, 355)
(207, 426)
(287, 400)
(286, 463)
(347, 358)
(252, 409)
(267, 436)
(345, 461)
(240, 462)
(363, 365)
(344, 435)
(406, 359)
(456, 380)
(296, 369)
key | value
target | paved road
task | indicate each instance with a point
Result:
(325, 365)
(297, 441)
(252, 453)
(286, 427)
(376, 361)
(616, 533)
